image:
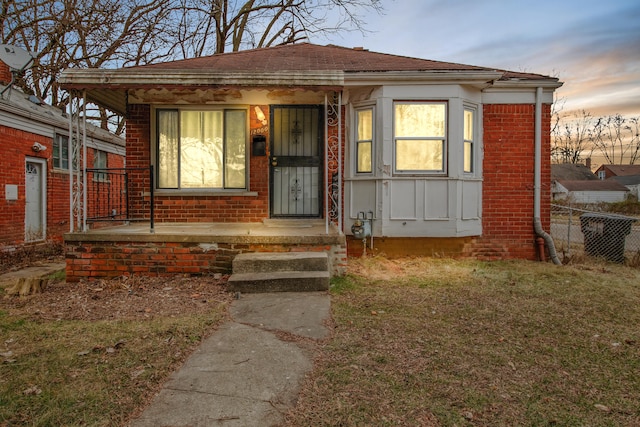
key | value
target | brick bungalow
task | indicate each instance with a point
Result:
(34, 166)
(444, 158)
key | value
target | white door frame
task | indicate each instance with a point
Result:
(43, 195)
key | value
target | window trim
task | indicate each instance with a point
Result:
(202, 190)
(474, 141)
(100, 176)
(60, 140)
(357, 141)
(444, 139)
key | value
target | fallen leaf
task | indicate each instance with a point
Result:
(32, 391)
(603, 408)
(374, 313)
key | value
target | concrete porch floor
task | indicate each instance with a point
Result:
(269, 231)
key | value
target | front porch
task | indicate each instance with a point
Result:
(194, 248)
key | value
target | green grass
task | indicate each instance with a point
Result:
(438, 342)
(97, 373)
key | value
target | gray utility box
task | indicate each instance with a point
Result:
(605, 234)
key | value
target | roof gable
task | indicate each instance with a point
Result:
(622, 170)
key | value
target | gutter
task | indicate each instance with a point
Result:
(537, 223)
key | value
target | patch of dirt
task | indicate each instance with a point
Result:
(123, 298)
(15, 259)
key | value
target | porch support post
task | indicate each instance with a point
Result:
(70, 151)
(340, 169)
(326, 163)
(84, 161)
(333, 159)
(77, 160)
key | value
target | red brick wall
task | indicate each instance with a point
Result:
(5, 73)
(104, 259)
(213, 208)
(16, 147)
(508, 187)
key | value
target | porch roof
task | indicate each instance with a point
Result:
(301, 65)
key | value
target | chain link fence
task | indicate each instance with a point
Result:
(579, 233)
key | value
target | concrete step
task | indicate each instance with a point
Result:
(279, 281)
(263, 262)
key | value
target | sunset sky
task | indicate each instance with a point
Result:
(591, 45)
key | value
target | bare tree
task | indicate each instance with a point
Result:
(570, 137)
(82, 33)
(97, 33)
(617, 138)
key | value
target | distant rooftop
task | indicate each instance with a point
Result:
(572, 172)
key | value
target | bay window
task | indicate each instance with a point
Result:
(364, 140)
(419, 137)
(469, 139)
(201, 149)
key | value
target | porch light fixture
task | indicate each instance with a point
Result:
(260, 115)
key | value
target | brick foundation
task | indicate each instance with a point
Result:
(110, 257)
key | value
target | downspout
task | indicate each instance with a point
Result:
(537, 190)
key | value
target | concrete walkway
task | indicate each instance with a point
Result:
(249, 371)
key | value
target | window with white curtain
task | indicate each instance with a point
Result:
(201, 149)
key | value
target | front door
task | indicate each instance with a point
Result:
(296, 161)
(35, 201)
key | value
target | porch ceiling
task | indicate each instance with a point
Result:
(109, 87)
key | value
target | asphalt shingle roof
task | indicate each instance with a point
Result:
(572, 172)
(311, 57)
(599, 185)
(624, 170)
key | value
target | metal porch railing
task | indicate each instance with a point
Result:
(120, 195)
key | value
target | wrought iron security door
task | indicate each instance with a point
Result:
(296, 161)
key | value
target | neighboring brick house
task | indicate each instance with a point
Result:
(447, 158)
(609, 171)
(34, 166)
